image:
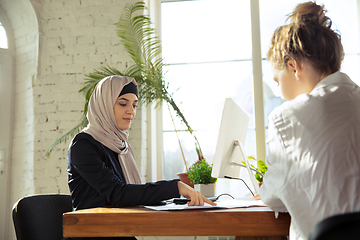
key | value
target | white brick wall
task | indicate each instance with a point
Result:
(24, 28)
(76, 37)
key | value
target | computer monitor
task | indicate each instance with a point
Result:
(230, 152)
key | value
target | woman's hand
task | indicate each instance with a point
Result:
(257, 197)
(196, 198)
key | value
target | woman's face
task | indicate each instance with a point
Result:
(125, 110)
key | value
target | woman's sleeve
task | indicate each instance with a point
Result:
(274, 178)
(87, 160)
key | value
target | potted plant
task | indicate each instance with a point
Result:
(200, 175)
(262, 168)
(143, 45)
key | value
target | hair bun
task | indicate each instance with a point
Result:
(310, 12)
(307, 36)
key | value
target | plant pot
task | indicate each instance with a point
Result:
(207, 190)
(185, 179)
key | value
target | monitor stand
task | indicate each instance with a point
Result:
(247, 166)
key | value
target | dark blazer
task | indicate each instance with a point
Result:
(96, 179)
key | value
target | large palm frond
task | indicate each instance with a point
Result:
(138, 37)
(144, 47)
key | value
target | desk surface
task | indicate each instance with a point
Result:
(110, 222)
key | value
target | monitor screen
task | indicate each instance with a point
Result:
(230, 152)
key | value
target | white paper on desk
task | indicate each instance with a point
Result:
(173, 206)
(235, 203)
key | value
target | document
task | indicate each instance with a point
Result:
(234, 203)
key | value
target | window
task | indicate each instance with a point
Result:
(209, 60)
(3, 37)
(208, 46)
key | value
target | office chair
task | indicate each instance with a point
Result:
(39, 217)
(342, 226)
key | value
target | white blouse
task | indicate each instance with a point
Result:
(314, 155)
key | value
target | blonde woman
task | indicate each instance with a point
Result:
(314, 138)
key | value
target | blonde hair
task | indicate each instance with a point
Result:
(308, 36)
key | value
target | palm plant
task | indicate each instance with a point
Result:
(144, 47)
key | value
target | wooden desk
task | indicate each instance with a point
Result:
(109, 222)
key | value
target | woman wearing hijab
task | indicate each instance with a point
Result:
(101, 164)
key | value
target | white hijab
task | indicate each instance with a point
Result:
(103, 128)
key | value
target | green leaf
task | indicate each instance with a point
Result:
(261, 168)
